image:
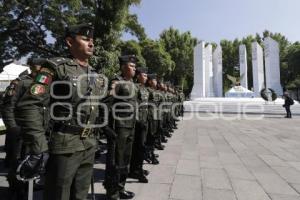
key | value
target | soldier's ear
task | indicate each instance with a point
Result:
(69, 41)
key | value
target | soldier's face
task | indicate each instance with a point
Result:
(129, 69)
(142, 78)
(81, 46)
(153, 83)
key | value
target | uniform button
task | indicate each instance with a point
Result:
(93, 107)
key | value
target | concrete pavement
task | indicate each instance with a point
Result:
(221, 158)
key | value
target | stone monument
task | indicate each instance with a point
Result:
(272, 65)
(209, 89)
(198, 90)
(218, 72)
(243, 66)
(258, 68)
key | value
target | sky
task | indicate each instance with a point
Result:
(214, 20)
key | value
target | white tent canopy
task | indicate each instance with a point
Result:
(10, 72)
(239, 91)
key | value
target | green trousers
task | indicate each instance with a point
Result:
(117, 163)
(68, 176)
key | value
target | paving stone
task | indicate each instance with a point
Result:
(186, 187)
(152, 191)
(190, 155)
(283, 197)
(248, 190)
(290, 174)
(229, 158)
(273, 183)
(162, 174)
(188, 167)
(215, 179)
(238, 171)
(296, 165)
(213, 194)
(272, 160)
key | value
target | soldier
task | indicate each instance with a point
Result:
(288, 101)
(69, 89)
(123, 119)
(141, 129)
(151, 83)
(13, 142)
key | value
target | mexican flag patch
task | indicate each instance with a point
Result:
(42, 78)
(37, 89)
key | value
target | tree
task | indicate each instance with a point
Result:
(181, 47)
(230, 56)
(157, 59)
(27, 25)
(132, 47)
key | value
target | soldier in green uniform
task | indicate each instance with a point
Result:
(69, 89)
(154, 99)
(122, 120)
(13, 142)
(141, 128)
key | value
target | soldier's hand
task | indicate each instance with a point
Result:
(33, 165)
(109, 132)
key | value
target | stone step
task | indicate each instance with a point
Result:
(241, 105)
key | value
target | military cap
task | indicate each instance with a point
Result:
(141, 70)
(151, 76)
(127, 58)
(80, 29)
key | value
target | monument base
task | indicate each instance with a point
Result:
(239, 105)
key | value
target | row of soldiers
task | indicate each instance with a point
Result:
(55, 114)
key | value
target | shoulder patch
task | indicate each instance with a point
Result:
(43, 78)
(37, 89)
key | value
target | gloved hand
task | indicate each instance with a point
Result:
(33, 165)
(109, 132)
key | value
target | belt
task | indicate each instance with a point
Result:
(84, 132)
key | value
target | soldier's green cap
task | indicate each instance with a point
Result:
(151, 76)
(80, 29)
(141, 70)
(127, 58)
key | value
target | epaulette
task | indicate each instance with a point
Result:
(24, 77)
(117, 78)
(59, 60)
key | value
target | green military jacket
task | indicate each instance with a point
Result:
(154, 100)
(124, 102)
(143, 98)
(11, 97)
(68, 92)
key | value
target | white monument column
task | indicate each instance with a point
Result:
(272, 65)
(218, 72)
(199, 72)
(258, 69)
(243, 66)
(209, 72)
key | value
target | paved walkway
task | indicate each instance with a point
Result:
(223, 159)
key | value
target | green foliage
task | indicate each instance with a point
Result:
(157, 59)
(181, 47)
(133, 48)
(230, 56)
(133, 27)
